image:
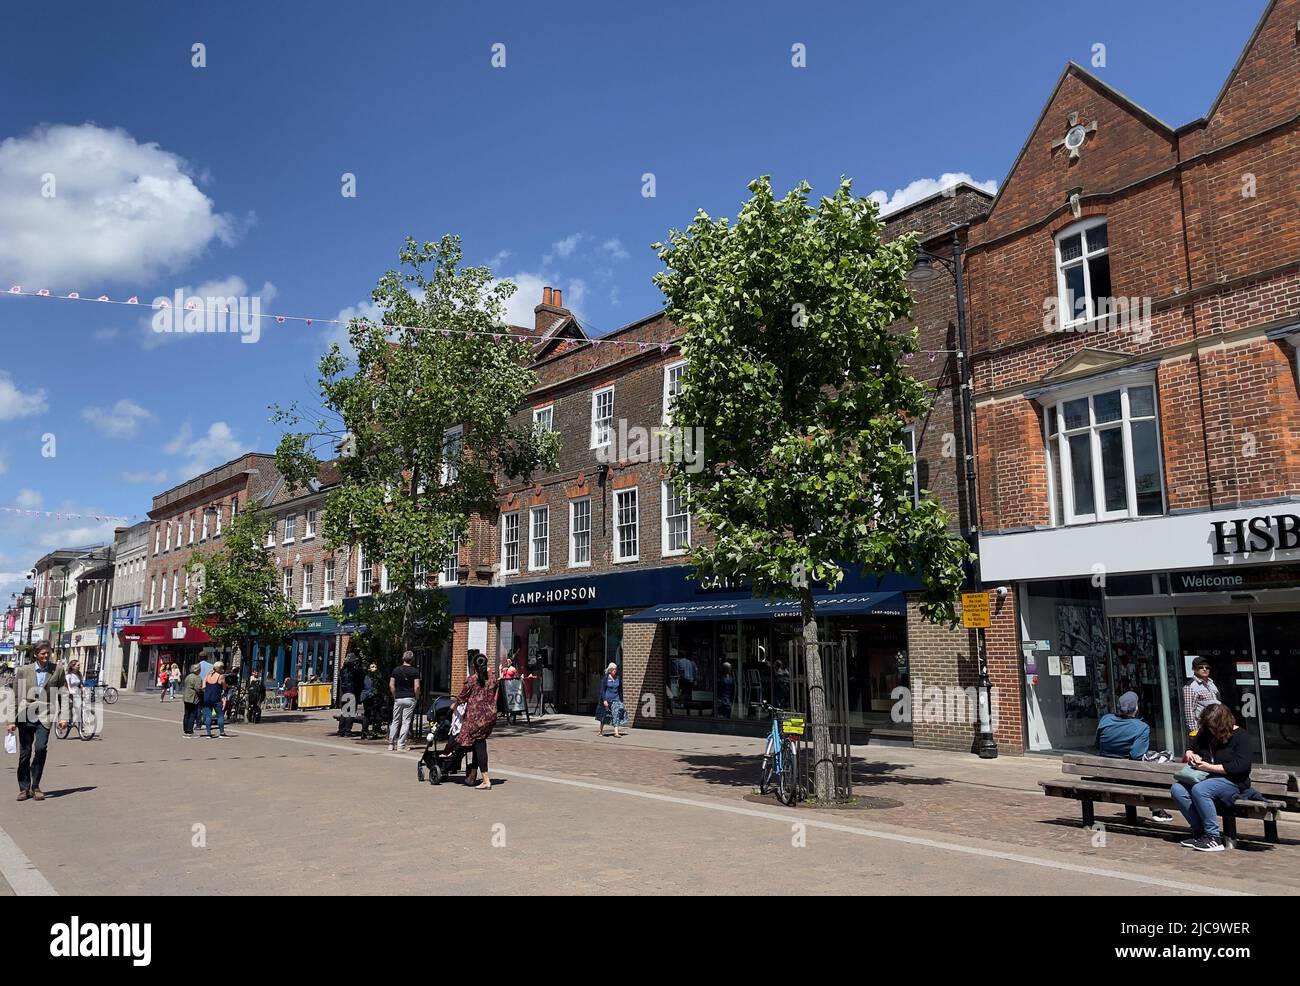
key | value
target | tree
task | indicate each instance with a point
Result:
(421, 420)
(235, 587)
(795, 374)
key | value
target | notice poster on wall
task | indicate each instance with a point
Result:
(1067, 684)
(1080, 666)
(1054, 664)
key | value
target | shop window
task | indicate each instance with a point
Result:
(1104, 455)
(691, 670)
(1064, 650)
(626, 526)
(1083, 272)
(510, 542)
(580, 532)
(676, 533)
(602, 416)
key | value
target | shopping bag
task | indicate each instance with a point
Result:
(11, 743)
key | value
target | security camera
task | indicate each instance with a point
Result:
(1002, 592)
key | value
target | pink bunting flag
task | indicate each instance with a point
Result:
(73, 295)
(44, 292)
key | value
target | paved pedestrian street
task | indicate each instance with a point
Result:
(286, 807)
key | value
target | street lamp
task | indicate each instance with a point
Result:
(927, 267)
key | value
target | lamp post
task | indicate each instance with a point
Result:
(924, 269)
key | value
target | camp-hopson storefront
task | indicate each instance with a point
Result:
(1127, 606)
(689, 654)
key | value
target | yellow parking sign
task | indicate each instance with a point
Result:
(975, 610)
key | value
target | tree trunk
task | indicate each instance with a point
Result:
(408, 619)
(823, 768)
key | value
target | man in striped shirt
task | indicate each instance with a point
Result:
(1198, 694)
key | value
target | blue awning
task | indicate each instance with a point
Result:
(857, 604)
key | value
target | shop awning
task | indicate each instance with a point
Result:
(164, 633)
(857, 604)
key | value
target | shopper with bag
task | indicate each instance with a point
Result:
(39, 690)
(1217, 772)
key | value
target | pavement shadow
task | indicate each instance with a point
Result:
(1172, 834)
(741, 770)
(64, 792)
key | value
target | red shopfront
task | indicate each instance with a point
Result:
(167, 643)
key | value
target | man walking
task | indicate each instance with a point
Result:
(192, 694)
(38, 690)
(405, 686)
(1198, 695)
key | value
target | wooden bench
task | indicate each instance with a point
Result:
(1144, 784)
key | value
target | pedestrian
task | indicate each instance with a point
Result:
(164, 676)
(370, 703)
(38, 691)
(1198, 695)
(609, 703)
(291, 692)
(726, 691)
(192, 696)
(214, 686)
(480, 699)
(350, 685)
(205, 667)
(1223, 753)
(1121, 735)
(256, 695)
(174, 677)
(73, 686)
(405, 686)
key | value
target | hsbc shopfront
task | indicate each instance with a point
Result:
(1129, 606)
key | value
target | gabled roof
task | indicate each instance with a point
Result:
(1077, 70)
(1241, 59)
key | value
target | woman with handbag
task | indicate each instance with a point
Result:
(1217, 772)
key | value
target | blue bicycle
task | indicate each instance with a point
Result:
(780, 765)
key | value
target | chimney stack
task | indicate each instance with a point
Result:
(546, 296)
(559, 298)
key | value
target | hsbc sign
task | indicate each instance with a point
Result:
(1246, 535)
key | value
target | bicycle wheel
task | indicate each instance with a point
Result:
(765, 769)
(787, 783)
(89, 725)
(61, 731)
(110, 695)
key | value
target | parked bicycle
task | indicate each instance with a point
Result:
(101, 693)
(780, 765)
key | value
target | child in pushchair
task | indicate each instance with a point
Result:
(442, 755)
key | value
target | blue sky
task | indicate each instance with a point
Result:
(168, 176)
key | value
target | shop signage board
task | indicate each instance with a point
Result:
(975, 610)
(1235, 578)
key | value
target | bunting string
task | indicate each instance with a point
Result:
(192, 305)
(66, 515)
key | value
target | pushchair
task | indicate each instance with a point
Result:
(442, 755)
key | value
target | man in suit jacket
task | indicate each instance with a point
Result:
(39, 690)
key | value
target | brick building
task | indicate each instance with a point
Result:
(1135, 308)
(589, 563)
(184, 519)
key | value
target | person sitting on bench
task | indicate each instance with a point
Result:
(1126, 737)
(1224, 751)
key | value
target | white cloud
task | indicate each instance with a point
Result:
(498, 258)
(28, 499)
(563, 248)
(218, 445)
(923, 187)
(15, 403)
(614, 247)
(144, 477)
(100, 533)
(121, 210)
(122, 420)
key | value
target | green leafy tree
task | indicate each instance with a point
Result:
(795, 374)
(421, 420)
(235, 587)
